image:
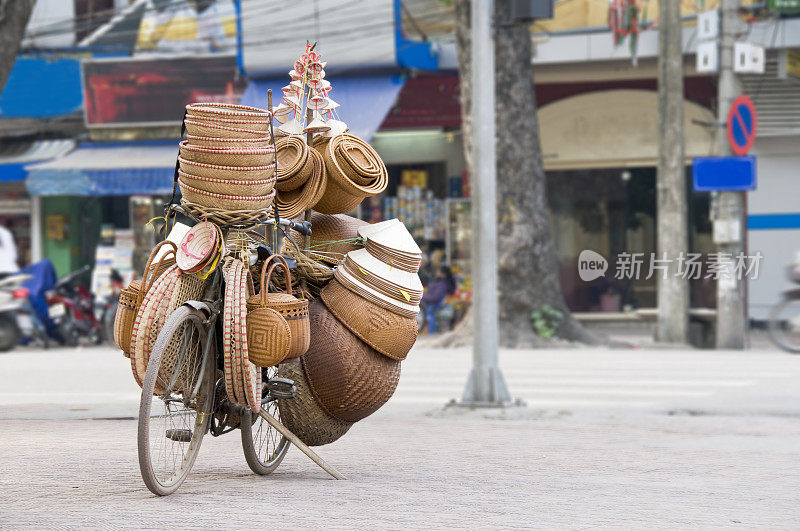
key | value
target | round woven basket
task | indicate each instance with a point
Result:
(342, 193)
(358, 160)
(238, 122)
(229, 186)
(390, 334)
(226, 110)
(227, 156)
(349, 379)
(294, 202)
(226, 217)
(213, 129)
(332, 236)
(295, 166)
(225, 201)
(216, 142)
(215, 171)
(302, 415)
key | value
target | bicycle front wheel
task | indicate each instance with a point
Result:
(177, 397)
(784, 325)
(264, 448)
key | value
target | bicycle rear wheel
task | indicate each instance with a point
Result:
(784, 325)
(177, 397)
(264, 448)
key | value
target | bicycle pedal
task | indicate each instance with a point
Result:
(179, 435)
(280, 388)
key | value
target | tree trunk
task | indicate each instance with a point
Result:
(14, 15)
(672, 237)
(528, 265)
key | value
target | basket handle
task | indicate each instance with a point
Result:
(152, 270)
(266, 273)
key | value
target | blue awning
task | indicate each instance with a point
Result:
(42, 87)
(107, 169)
(14, 156)
(365, 100)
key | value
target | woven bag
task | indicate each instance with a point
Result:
(130, 298)
(293, 310)
(302, 415)
(348, 378)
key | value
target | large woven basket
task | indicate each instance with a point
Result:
(224, 110)
(216, 171)
(207, 128)
(302, 415)
(225, 201)
(348, 185)
(292, 309)
(210, 141)
(294, 165)
(130, 298)
(349, 379)
(253, 188)
(390, 334)
(332, 237)
(222, 156)
(294, 202)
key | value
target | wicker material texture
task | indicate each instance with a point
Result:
(292, 309)
(229, 186)
(294, 165)
(354, 171)
(332, 236)
(213, 109)
(349, 379)
(224, 217)
(224, 201)
(302, 415)
(227, 156)
(390, 334)
(216, 171)
(294, 202)
(217, 142)
(268, 336)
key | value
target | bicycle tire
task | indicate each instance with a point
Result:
(196, 378)
(776, 331)
(264, 448)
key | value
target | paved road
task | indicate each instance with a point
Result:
(609, 438)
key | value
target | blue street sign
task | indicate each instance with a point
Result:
(711, 174)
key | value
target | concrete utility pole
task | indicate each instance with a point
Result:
(727, 208)
(672, 237)
(485, 386)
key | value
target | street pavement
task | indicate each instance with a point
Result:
(612, 438)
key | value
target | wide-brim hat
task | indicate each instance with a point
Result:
(390, 334)
(390, 303)
(376, 272)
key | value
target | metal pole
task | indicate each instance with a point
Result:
(485, 386)
(728, 207)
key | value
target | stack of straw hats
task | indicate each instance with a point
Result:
(354, 172)
(227, 159)
(301, 176)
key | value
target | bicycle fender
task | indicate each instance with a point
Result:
(199, 305)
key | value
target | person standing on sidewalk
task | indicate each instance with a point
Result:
(438, 289)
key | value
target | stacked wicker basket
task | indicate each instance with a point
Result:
(227, 162)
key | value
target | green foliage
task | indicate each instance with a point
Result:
(546, 320)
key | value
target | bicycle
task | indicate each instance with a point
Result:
(183, 396)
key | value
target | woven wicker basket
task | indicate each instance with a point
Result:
(294, 164)
(292, 309)
(332, 237)
(227, 156)
(302, 415)
(342, 194)
(207, 128)
(224, 201)
(229, 186)
(215, 171)
(294, 202)
(210, 141)
(349, 379)
(224, 110)
(130, 298)
(390, 334)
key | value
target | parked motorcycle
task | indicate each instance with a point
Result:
(105, 310)
(18, 320)
(71, 307)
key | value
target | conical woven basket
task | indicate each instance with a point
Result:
(349, 379)
(390, 334)
(227, 156)
(216, 171)
(229, 186)
(224, 201)
(302, 415)
(215, 142)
